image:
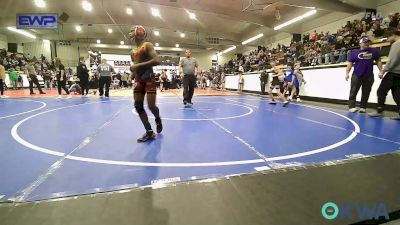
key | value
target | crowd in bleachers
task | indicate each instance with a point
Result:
(318, 48)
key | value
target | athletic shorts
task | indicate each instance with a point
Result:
(276, 84)
(145, 87)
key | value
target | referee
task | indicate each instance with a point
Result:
(390, 81)
(105, 70)
(188, 67)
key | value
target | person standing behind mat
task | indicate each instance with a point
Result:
(188, 67)
(83, 75)
(104, 70)
(32, 77)
(263, 80)
(390, 81)
(363, 74)
(61, 78)
(2, 79)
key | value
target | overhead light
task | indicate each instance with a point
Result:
(101, 45)
(78, 28)
(98, 41)
(87, 6)
(192, 15)
(27, 34)
(227, 50)
(123, 46)
(157, 33)
(122, 42)
(177, 45)
(109, 30)
(252, 39)
(183, 35)
(40, 3)
(155, 12)
(307, 14)
(168, 49)
(157, 44)
(46, 41)
(129, 11)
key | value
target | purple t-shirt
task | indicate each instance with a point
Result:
(363, 60)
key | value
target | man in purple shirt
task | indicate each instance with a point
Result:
(363, 74)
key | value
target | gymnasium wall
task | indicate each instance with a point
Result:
(327, 83)
(37, 48)
(205, 58)
(3, 41)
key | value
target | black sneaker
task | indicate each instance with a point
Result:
(185, 102)
(159, 125)
(272, 102)
(149, 135)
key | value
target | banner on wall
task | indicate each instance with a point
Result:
(37, 21)
(121, 63)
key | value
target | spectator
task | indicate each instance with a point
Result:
(394, 21)
(2, 78)
(32, 77)
(390, 76)
(314, 36)
(61, 78)
(83, 76)
(241, 82)
(13, 75)
(124, 80)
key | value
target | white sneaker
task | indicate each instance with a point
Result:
(353, 110)
(362, 110)
(59, 97)
(285, 103)
(289, 98)
(69, 96)
(298, 100)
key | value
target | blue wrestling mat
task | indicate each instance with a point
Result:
(55, 148)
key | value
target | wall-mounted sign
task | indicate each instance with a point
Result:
(37, 21)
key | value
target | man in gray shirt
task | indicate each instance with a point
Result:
(188, 67)
(391, 81)
(32, 77)
(104, 70)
